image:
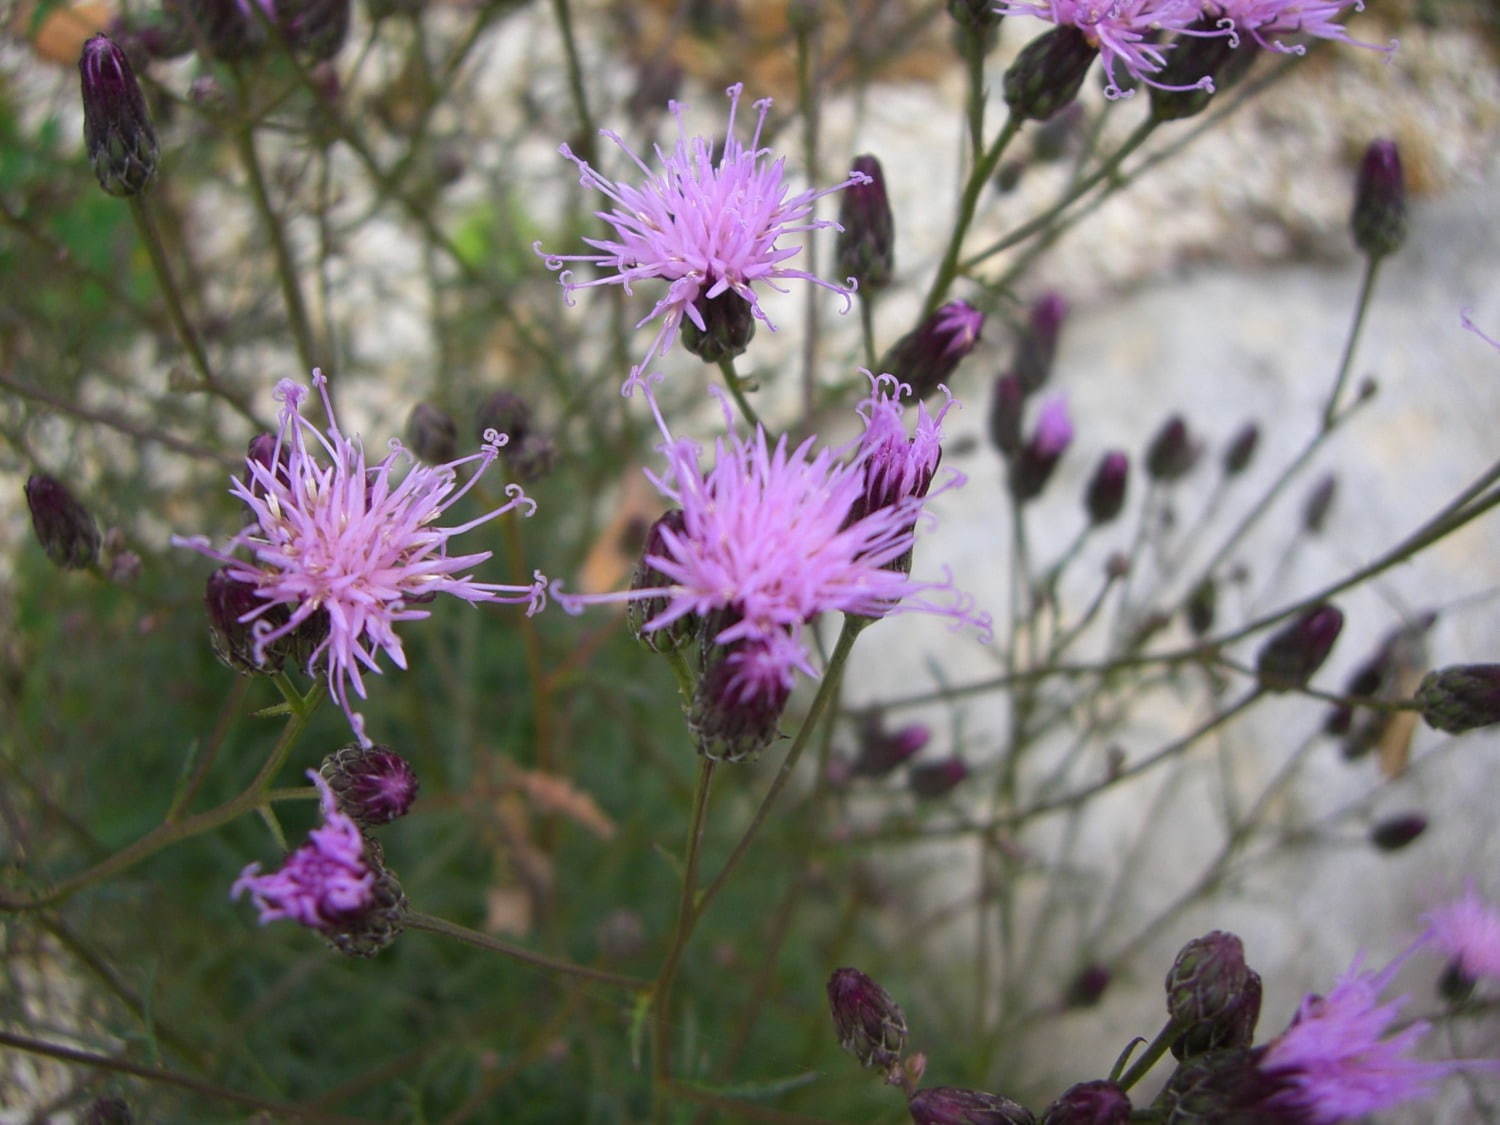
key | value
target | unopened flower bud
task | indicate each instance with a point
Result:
(1172, 452)
(1290, 657)
(930, 353)
(658, 81)
(431, 434)
(373, 784)
(1007, 404)
(1089, 1103)
(506, 412)
(1241, 450)
(1460, 697)
(1213, 997)
(315, 28)
(739, 700)
(227, 29)
(117, 132)
(1454, 984)
(1202, 605)
(639, 612)
(1395, 832)
(231, 602)
(1223, 1087)
(1048, 73)
(975, 16)
(1105, 496)
(937, 779)
(869, 1024)
(64, 527)
(1032, 468)
(865, 248)
(1037, 347)
(727, 329)
(1087, 988)
(881, 751)
(948, 1105)
(1379, 217)
(1318, 504)
(145, 35)
(107, 1111)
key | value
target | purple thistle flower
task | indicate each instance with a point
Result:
(705, 228)
(326, 884)
(1336, 1059)
(1263, 20)
(1467, 930)
(1123, 31)
(773, 535)
(337, 536)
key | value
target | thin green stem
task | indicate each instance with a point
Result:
(974, 52)
(286, 266)
(1362, 305)
(978, 178)
(140, 210)
(585, 142)
(1150, 1056)
(737, 390)
(416, 920)
(867, 329)
(661, 1000)
(807, 91)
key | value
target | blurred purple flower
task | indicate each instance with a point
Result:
(1467, 930)
(1263, 20)
(326, 884)
(705, 228)
(353, 542)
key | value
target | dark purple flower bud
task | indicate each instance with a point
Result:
(228, 601)
(948, 1105)
(64, 527)
(373, 784)
(227, 29)
(431, 434)
(739, 700)
(1226, 1088)
(937, 779)
(315, 28)
(1048, 73)
(1205, 51)
(1213, 997)
(658, 81)
(1202, 605)
(1105, 497)
(865, 248)
(869, 1024)
(263, 451)
(975, 16)
(640, 611)
(1089, 1103)
(1454, 984)
(727, 329)
(160, 34)
(1088, 987)
(1032, 467)
(1379, 217)
(117, 132)
(1037, 347)
(1007, 404)
(1395, 832)
(1241, 450)
(1460, 697)
(927, 355)
(1290, 657)
(881, 751)
(107, 1111)
(1172, 452)
(1318, 504)
(507, 413)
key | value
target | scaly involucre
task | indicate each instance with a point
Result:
(356, 543)
(774, 534)
(704, 227)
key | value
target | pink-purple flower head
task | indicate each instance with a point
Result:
(773, 535)
(356, 543)
(898, 466)
(1264, 20)
(1468, 931)
(1125, 32)
(704, 227)
(326, 884)
(1339, 1059)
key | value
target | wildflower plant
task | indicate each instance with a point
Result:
(682, 828)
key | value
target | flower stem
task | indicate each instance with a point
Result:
(1149, 1058)
(867, 328)
(661, 1001)
(1366, 287)
(416, 920)
(585, 142)
(978, 178)
(737, 390)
